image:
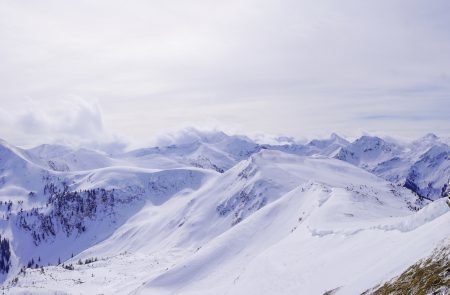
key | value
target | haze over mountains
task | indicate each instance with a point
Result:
(221, 214)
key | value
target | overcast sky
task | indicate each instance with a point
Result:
(80, 71)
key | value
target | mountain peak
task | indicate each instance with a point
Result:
(338, 139)
(429, 137)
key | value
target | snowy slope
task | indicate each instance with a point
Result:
(273, 215)
(62, 158)
(220, 214)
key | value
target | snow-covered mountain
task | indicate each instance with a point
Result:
(220, 214)
(62, 158)
(210, 150)
(422, 166)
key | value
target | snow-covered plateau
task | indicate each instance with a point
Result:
(224, 214)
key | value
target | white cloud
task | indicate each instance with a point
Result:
(73, 121)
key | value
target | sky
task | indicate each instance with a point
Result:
(112, 73)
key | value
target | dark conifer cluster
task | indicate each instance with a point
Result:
(5, 255)
(68, 211)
